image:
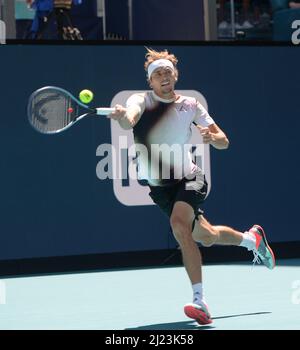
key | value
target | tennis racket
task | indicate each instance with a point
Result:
(52, 109)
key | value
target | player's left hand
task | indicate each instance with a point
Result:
(206, 134)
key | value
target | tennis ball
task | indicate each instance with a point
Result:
(86, 96)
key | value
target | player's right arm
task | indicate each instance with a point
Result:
(129, 116)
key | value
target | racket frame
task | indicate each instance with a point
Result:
(91, 111)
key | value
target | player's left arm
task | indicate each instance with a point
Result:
(214, 136)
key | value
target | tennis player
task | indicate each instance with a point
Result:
(162, 117)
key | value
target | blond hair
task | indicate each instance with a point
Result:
(153, 55)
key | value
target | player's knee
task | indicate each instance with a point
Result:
(208, 239)
(180, 229)
(206, 234)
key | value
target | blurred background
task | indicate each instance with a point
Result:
(197, 20)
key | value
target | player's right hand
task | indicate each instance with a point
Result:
(118, 113)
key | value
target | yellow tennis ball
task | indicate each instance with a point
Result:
(86, 96)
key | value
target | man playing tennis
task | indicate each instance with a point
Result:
(161, 116)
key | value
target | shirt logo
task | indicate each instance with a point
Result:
(183, 108)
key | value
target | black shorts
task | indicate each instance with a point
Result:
(191, 190)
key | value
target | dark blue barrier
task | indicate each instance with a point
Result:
(174, 20)
(167, 15)
(117, 17)
(53, 204)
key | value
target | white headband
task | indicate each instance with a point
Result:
(159, 63)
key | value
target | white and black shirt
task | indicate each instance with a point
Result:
(162, 136)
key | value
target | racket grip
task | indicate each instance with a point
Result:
(104, 111)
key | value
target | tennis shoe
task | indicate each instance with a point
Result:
(198, 312)
(262, 252)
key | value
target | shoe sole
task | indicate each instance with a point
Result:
(261, 230)
(198, 315)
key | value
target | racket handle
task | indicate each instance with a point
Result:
(104, 111)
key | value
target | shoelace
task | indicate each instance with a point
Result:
(256, 258)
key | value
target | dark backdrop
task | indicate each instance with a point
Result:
(52, 203)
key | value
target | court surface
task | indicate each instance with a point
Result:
(240, 297)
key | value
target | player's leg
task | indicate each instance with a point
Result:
(208, 234)
(191, 193)
(181, 216)
(181, 222)
(254, 240)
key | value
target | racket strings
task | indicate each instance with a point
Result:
(51, 110)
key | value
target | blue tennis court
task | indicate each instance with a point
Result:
(241, 297)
